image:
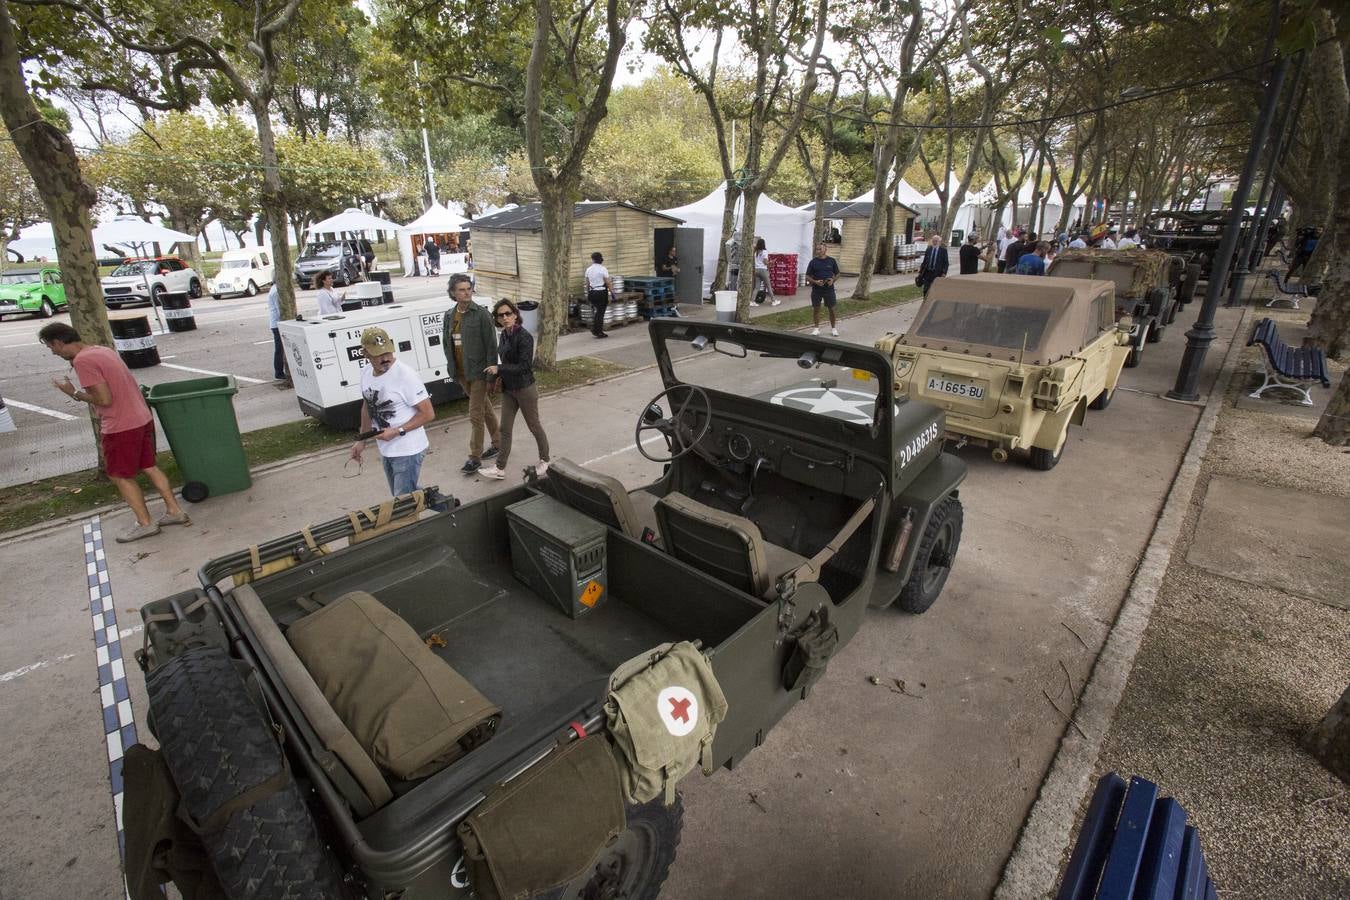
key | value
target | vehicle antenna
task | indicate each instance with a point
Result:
(1024, 350)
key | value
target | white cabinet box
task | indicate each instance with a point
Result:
(325, 356)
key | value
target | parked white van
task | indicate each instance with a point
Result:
(245, 271)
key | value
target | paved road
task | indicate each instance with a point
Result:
(859, 792)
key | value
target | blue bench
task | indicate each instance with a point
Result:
(1295, 368)
(1135, 844)
(1291, 292)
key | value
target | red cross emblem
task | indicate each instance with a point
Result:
(679, 709)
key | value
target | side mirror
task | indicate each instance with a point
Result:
(808, 360)
(653, 414)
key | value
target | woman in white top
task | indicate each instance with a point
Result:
(599, 289)
(762, 275)
(330, 304)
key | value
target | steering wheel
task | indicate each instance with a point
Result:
(678, 440)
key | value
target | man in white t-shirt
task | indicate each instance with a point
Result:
(599, 289)
(1079, 241)
(394, 403)
(1109, 242)
(1005, 240)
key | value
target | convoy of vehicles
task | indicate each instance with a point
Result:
(1145, 293)
(36, 290)
(242, 272)
(1013, 361)
(788, 505)
(145, 280)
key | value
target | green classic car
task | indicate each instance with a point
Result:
(34, 289)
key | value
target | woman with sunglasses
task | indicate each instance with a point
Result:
(515, 368)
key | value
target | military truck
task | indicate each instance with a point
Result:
(1013, 361)
(497, 699)
(1145, 294)
(1194, 236)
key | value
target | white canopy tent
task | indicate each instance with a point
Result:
(122, 231)
(784, 229)
(352, 221)
(437, 219)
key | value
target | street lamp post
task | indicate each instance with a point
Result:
(1201, 334)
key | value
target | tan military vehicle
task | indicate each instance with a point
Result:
(1144, 289)
(1013, 361)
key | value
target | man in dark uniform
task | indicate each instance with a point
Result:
(970, 255)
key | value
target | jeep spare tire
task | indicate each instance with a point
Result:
(637, 863)
(1188, 284)
(937, 552)
(218, 745)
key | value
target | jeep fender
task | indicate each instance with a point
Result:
(1055, 425)
(937, 481)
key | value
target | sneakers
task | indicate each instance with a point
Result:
(470, 466)
(138, 532)
(815, 332)
(834, 332)
(490, 452)
(180, 519)
(776, 303)
(599, 334)
(496, 473)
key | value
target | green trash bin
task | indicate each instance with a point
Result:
(198, 418)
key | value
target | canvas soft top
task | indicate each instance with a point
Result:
(990, 315)
(1150, 267)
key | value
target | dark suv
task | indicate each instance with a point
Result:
(348, 259)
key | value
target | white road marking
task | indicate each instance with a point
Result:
(257, 343)
(40, 664)
(209, 372)
(65, 417)
(162, 358)
(651, 440)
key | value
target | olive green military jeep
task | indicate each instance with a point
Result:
(1147, 284)
(1013, 361)
(482, 701)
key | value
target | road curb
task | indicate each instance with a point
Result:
(1033, 868)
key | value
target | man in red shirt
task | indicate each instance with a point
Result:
(128, 429)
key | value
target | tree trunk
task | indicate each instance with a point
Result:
(206, 239)
(1334, 426)
(274, 206)
(732, 195)
(558, 204)
(1330, 740)
(745, 282)
(1329, 326)
(887, 249)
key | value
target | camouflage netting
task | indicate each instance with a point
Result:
(1151, 267)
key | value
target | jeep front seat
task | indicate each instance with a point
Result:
(727, 546)
(602, 497)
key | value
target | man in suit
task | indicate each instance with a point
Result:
(934, 264)
(970, 255)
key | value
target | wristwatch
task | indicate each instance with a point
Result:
(402, 432)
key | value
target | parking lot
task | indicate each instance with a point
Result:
(866, 790)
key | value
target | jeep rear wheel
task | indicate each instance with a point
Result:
(636, 864)
(1045, 459)
(937, 552)
(1137, 348)
(1102, 400)
(1188, 283)
(218, 744)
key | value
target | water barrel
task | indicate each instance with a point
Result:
(370, 293)
(726, 305)
(529, 317)
(133, 340)
(177, 310)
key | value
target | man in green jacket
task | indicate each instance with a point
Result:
(470, 341)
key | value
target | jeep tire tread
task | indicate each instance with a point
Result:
(933, 563)
(217, 744)
(1102, 400)
(1043, 460)
(636, 864)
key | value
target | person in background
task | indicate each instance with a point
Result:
(762, 275)
(934, 264)
(470, 344)
(1079, 241)
(670, 266)
(1033, 262)
(423, 267)
(1015, 251)
(279, 369)
(433, 256)
(1109, 241)
(599, 291)
(1129, 241)
(126, 428)
(393, 400)
(821, 272)
(330, 304)
(970, 255)
(515, 370)
(1305, 243)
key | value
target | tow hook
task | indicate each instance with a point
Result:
(1000, 454)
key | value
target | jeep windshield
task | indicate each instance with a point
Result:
(813, 377)
(985, 324)
(323, 250)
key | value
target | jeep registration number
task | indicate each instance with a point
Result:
(956, 388)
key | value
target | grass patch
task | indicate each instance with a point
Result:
(51, 498)
(800, 317)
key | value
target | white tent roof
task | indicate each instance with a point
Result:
(132, 230)
(436, 220)
(784, 229)
(904, 193)
(352, 220)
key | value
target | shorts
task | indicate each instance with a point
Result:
(822, 294)
(125, 453)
